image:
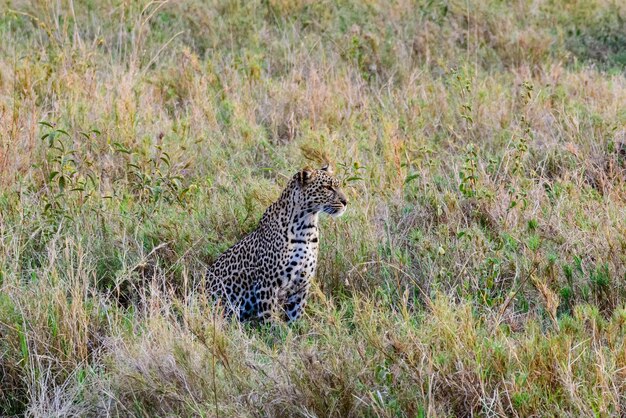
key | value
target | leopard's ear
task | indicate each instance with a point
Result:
(305, 176)
(327, 168)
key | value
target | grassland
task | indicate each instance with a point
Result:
(480, 269)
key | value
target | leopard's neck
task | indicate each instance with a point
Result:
(303, 227)
(288, 215)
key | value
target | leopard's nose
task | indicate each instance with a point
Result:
(342, 199)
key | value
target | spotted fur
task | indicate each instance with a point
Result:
(269, 271)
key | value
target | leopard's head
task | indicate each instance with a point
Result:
(320, 191)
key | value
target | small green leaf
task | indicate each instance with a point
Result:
(354, 178)
(23, 345)
(120, 148)
(411, 177)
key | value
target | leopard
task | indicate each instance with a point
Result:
(267, 274)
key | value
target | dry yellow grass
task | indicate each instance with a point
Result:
(479, 271)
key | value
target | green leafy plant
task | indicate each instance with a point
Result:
(469, 172)
(154, 178)
(68, 175)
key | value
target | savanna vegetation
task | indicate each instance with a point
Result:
(480, 268)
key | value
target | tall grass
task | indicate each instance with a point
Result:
(479, 269)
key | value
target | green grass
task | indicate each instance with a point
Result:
(480, 268)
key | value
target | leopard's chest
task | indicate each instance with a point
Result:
(299, 264)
